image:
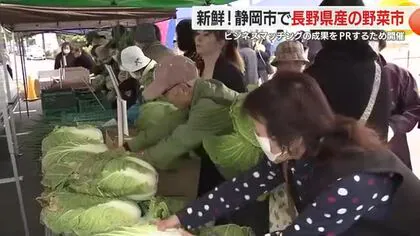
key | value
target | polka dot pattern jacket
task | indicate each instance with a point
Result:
(330, 211)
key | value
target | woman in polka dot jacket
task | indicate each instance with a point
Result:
(342, 179)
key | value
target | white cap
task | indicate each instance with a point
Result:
(133, 59)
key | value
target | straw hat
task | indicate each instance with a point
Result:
(290, 51)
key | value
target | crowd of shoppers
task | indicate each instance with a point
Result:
(322, 117)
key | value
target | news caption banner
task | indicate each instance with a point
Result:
(351, 22)
(317, 35)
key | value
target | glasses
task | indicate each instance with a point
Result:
(172, 87)
(169, 89)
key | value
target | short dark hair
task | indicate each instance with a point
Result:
(157, 33)
(65, 44)
(185, 36)
(292, 105)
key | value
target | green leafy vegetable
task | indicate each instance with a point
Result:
(152, 112)
(85, 215)
(115, 174)
(233, 153)
(61, 161)
(141, 230)
(226, 230)
(71, 154)
(163, 207)
(241, 122)
(66, 134)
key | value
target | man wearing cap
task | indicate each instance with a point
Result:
(203, 111)
(290, 56)
(204, 102)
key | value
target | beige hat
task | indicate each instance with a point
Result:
(133, 59)
(290, 51)
(171, 71)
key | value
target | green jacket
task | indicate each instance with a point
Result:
(184, 130)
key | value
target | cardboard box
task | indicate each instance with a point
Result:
(182, 182)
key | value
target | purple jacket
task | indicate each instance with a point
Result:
(405, 107)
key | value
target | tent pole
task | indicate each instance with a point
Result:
(22, 60)
(7, 112)
(25, 78)
(15, 44)
(9, 99)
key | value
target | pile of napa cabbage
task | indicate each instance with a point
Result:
(90, 190)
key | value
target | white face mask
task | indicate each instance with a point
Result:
(66, 51)
(135, 75)
(266, 147)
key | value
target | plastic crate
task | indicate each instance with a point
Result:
(87, 102)
(93, 105)
(88, 116)
(58, 99)
(57, 114)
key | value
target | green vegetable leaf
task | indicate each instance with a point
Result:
(115, 174)
(233, 153)
(241, 122)
(152, 112)
(67, 134)
(66, 212)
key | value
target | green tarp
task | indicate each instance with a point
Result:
(116, 3)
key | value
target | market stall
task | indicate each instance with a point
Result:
(22, 19)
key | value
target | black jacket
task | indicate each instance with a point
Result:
(229, 75)
(85, 61)
(404, 215)
(69, 59)
(345, 72)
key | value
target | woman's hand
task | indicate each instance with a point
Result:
(169, 223)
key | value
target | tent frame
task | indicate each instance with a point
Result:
(8, 110)
(9, 124)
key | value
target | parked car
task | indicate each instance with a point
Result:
(35, 54)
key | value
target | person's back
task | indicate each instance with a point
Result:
(84, 60)
(251, 65)
(345, 72)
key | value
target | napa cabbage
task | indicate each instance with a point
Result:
(232, 153)
(61, 161)
(163, 207)
(141, 230)
(152, 112)
(115, 174)
(238, 151)
(242, 123)
(83, 215)
(71, 153)
(66, 134)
